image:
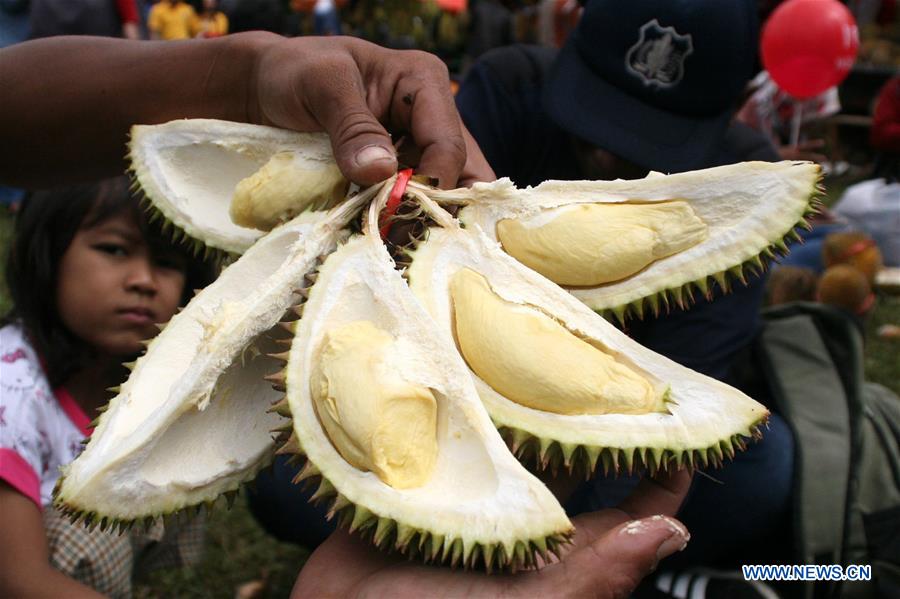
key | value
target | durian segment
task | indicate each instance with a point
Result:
(376, 419)
(704, 418)
(479, 505)
(288, 184)
(747, 208)
(191, 421)
(532, 359)
(189, 170)
(592, 244)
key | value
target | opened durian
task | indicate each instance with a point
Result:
(638, 245)
(199, 173)
(559, 380)
(192, 420)
(386, 415)
(390, 398)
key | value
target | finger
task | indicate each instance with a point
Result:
(358, 562)
(476, 168)
(423, 105)
(361, 145)
(661, 494)
(614, 564)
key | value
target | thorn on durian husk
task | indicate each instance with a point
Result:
(298, 310)
(309, 470)
(287, 326)
(282, 408)
(283, 356)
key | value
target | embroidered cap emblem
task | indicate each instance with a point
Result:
(658, 56)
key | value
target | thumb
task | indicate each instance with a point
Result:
(614, 564)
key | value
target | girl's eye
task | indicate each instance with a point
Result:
(113, 249)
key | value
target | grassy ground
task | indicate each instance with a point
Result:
(240, 552)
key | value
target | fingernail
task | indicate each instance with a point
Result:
(675, 542)
(372, 154)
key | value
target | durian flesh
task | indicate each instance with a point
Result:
(532, 359)
(376, 419)
(288, 184)
(591, 244)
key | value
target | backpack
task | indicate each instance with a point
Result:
(847, 463)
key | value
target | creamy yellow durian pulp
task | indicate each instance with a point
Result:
(531, 359)
(592, 244)
(377, 420)
(284, 187)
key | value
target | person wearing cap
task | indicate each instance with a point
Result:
(644, 86)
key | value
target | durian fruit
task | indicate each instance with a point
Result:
(637, 246)
(392, 428)
(560, 382)
(192, 420)
(191, 170)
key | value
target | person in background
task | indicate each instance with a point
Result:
(638, 87)
(171, 20)
(356, 92)
(113, 18)
(212, 22)
(89, 279)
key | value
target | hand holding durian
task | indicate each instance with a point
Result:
(408, 395)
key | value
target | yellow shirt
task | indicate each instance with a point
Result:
(213, 26)
(171, 21)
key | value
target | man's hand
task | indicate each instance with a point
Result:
(612, 551)
(357, 92)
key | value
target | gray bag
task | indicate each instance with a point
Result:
(847, 464)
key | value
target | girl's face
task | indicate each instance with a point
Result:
(112, 288)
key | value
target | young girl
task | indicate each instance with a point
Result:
(89, 279)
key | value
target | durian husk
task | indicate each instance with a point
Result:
(480, 507)
(706, 420)
(751, 209)
(188, 170)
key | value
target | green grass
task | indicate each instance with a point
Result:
(239, 551)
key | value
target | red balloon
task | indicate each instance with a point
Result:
(809, 46)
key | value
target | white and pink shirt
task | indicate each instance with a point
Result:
(40, 429)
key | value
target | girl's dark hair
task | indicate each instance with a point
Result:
(45, 226)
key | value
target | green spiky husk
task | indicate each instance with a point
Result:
(553, 455)
(389, 535)
(93, 520)
(683, 296)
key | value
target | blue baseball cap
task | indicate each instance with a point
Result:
(655, 82)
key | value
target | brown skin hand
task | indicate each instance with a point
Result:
(608, 558)
(72, 122)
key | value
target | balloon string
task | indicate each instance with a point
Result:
(796, 121)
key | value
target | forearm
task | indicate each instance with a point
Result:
(69, 104)
(43, 581)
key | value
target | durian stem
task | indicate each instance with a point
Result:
(345, 211)
(441, 216)
(384, 191)
(461, 196)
